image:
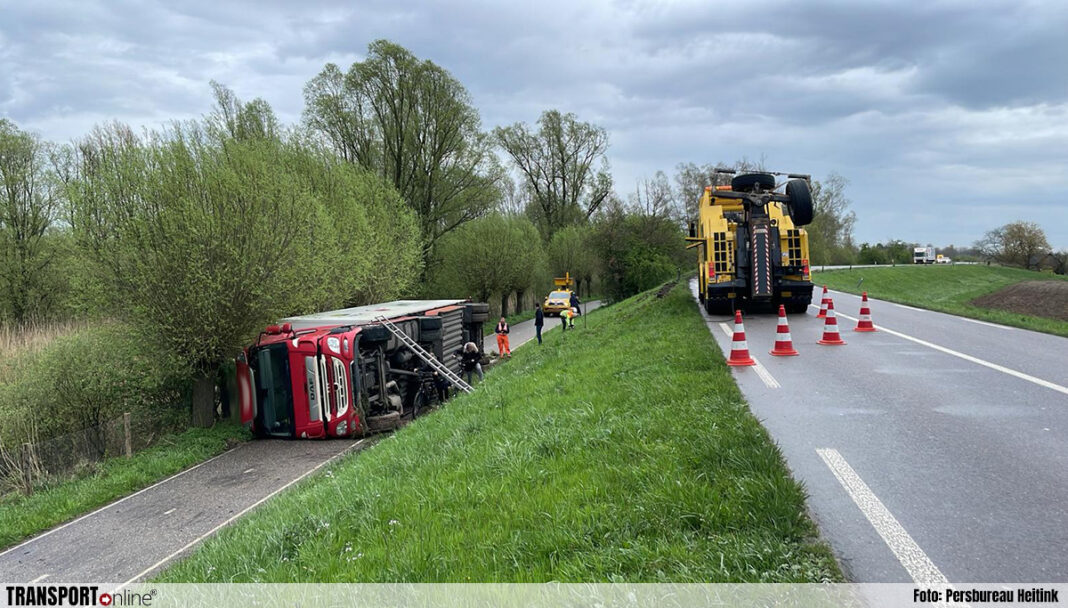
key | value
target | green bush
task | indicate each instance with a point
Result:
(87, 378)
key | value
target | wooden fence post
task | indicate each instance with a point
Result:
(129, 439)
(27, 468)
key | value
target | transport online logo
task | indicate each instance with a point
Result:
(74, 595)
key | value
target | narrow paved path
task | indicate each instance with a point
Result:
(135, 536)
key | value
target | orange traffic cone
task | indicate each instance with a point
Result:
(823, 304)
(830, 328)
(784, 345)
(864, 324)
(739, 347)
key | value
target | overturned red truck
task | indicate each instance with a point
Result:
(343, 373)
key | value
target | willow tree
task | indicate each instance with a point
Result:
(493, 256)
(413, 123)
(564, 166)
(205, 233)
(29, 205)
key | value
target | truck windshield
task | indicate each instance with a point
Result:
(274, 394)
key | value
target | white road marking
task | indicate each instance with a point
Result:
(125, 498)
(761, 371)
(926, 310)
(977, 360)
(919, 566)
(987, 324)
(38, 579)
(247, 471)
(170, 511)
(235, 517)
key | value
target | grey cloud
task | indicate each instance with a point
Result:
(921, 105)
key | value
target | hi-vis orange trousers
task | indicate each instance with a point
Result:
(502, 344)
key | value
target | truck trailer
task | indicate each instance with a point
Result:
(923, 255)
(752, 252)
(349, 372)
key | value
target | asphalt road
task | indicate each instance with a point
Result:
(935, 449)
(136, 536)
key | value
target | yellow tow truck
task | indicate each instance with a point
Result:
(752, 252)
(560, 298)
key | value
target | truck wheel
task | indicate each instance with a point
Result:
(800, 201)
(748, 182)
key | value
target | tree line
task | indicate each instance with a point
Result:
(198, 234)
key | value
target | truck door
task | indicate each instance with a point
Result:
(316, 392)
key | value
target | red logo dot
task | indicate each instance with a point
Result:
(105, 599)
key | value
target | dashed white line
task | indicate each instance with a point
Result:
(235, 517)
(908, 307)
(976, 360)
(123, 499)
(39, 579)
(247, 471)
(761, 371)
(170, 511)
(919, 566)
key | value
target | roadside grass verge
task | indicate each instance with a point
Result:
(943, 288)
(619, 452)
(24, 516)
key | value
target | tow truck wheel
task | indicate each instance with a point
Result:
(800, 201)
(749, 181)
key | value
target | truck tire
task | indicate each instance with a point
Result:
(748, 182)
(800, 202)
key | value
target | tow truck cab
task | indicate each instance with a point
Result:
(339, 373)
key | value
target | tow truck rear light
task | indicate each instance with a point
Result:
(711, 271)
(723, 187)
(804, 266)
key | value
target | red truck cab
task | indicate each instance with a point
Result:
(329, 374)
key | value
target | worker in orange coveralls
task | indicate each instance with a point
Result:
(502, 339)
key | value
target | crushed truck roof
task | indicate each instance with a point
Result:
(362, 315)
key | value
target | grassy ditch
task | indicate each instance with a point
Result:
(948, 289)
(621, 452)
(24, 516)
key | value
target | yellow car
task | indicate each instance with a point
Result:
(556, 302)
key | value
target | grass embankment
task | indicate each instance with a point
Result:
(23, 516)
(619, 452)
(943, 288)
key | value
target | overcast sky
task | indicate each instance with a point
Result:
(947, 120)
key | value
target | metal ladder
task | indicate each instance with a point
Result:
(422, 353)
